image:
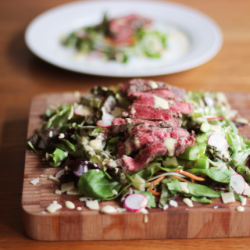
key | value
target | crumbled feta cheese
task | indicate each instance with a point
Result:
(53, 207)
(173, 203)
(244, 201)
(188, 202)
(74, 191)
(51, 177)
(83, 199)
(215, 207)
(240, 209)
(165, 207)
(61, 136)
(67, 186)
(108, 209)
(79, 208)
(35, 181)
(228, 197)
(143, 211)
(120, 210)
(50, 134)
(114, 192)
(184, 187)
(58, 192)
(94, 205)
(69, 205)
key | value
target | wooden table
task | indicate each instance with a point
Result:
(22, 76)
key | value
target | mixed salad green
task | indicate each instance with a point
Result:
(72, 139)
(118, 39)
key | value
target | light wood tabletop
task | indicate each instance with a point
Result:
(23, 75)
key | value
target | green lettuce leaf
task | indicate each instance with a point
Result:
(97, 185)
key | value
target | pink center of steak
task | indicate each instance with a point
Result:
(158, 92)
(146, 135)
(165, 147)
(150, 113)
(144, 85)
(164, 103)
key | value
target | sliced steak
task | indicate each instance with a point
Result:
(165, 147)
(146, 135)
(128, 125)
(122, 28)
(120, 125)
(158, 92)
(150, 113)
(159, 102)
(142, 85)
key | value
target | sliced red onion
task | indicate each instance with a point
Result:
(59, 173)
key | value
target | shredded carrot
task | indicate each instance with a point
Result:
(191, 176)
(158, 180)
(179, 178)
(153, 192)
(154, 182)
(192, 180)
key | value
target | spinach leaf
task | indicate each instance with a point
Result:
(220, 175)
(150, 197)
(97, 185)
(194, 190)
(201, 199)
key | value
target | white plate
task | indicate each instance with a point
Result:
(203, 34)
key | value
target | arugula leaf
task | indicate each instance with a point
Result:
(58, 156)
(151, 169)
(150, 197)
(60, 118)
(97, 185)
(33, 148)
(166, 195)
(66, 146)
(95, 131)
(201, 199)
(241, 157)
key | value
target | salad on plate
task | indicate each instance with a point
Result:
(119, 38)
(147, 143)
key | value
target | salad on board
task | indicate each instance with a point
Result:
(147, 143)
(119, 38)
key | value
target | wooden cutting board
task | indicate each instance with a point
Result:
(201, 221)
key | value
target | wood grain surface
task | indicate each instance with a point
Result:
(22, 76)
(201, 221)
